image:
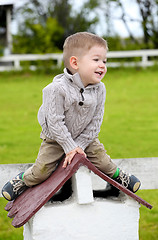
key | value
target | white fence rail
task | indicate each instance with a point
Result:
(12, 62)
(143, 54)
(140, 167)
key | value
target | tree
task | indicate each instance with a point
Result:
(45, 25)
(148, 10)
(39, 38)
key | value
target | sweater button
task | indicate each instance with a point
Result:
(80, 103)
(81, 90)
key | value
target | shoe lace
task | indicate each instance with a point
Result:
(18, 184)
(124, 178)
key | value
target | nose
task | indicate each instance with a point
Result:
(103, 67)
(101, 64)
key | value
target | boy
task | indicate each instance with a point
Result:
(71, 115)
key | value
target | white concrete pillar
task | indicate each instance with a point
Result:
(82, 186)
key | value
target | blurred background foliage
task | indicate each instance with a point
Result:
(44, 25)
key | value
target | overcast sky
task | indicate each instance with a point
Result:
(130, 7)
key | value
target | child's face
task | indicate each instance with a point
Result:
(92, 65)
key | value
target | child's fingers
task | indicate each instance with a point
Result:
(70, 155)
(65, 163)
(68, 159)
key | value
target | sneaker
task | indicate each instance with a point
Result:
(129, 181)
(14, 188)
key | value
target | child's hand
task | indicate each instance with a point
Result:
(71, 154)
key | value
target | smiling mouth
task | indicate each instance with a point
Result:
(99, 73)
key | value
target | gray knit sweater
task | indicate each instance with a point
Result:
(71, 114)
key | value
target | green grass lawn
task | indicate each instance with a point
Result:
(129, 128)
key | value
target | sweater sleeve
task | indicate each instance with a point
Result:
(93, 128)
(55, 119)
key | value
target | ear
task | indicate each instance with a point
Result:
(74, 62)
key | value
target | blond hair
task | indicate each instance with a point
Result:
(79, 43)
